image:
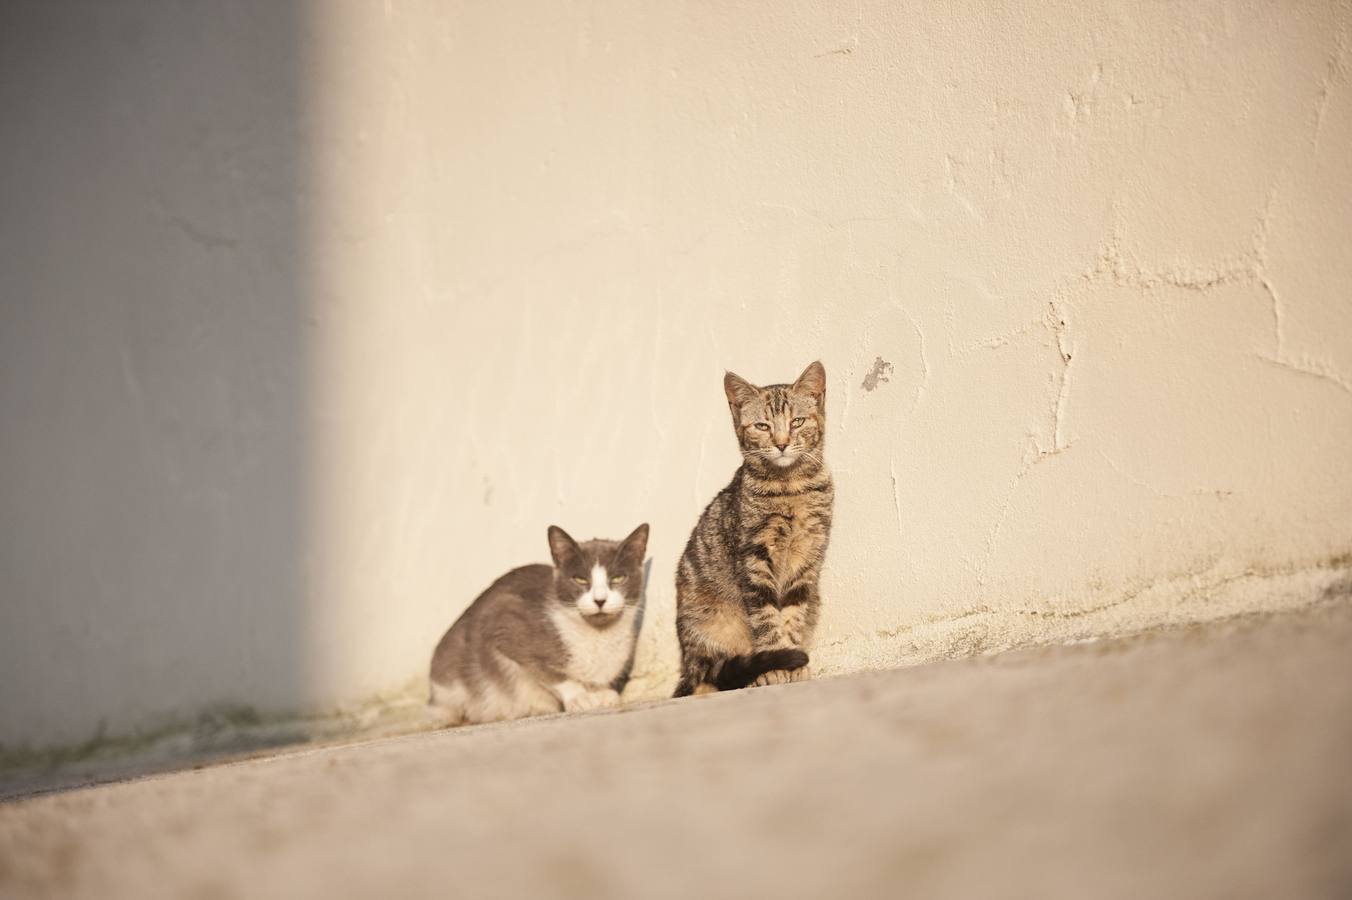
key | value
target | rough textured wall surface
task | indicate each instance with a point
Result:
(1078, 274)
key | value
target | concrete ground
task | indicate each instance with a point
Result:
(1213, 761)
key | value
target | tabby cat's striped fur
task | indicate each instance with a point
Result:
(746, 586)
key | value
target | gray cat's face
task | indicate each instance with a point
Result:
(598, 578)
(780, 425)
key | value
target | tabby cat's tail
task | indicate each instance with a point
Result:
(739, 671)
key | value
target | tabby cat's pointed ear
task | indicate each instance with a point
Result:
(562, 547)
(635, 547)
(812, 381)
(738, 389)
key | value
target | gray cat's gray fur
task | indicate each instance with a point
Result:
(545, 639)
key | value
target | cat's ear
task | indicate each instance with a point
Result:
(813, 381)
(562, 547)
(739, 391)
(635, 547)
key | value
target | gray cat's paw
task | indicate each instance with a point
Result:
(607, 699)
(603, 699)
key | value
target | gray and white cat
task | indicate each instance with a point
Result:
(543, 639)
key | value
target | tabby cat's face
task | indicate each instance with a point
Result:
(598, 578)
(783, 425)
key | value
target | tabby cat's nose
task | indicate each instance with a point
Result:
(781, 446)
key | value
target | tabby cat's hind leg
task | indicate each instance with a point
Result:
(695, 672)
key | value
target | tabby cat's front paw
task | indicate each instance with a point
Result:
(774, 676)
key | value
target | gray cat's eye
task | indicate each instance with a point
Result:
(618, 579)
(581, 581)
(762, 426)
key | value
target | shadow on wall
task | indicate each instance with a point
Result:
(153, 367)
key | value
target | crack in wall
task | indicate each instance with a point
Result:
(839, 51)
(993, 537)
(952, 173)
(896, 495)
(1038, 456)
(1333, 72)
(1311, 369)
(1218, 493)
(1260, 258)
(1276, 305)
(1112, 264)
(924, 359)
(1056, 321)
(1250, 270)
(998, 341)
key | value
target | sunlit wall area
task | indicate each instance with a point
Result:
(1077, 274)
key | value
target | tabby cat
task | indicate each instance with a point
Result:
(545, 638)
(746, 586)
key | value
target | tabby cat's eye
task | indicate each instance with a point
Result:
(762, 426)
(618, 579)
(581, 581)
(798, 421)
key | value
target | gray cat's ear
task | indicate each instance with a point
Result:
(738, 389)
(812, 381)
(635, 547)
(562, 547)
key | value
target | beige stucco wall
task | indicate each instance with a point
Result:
(327, 316)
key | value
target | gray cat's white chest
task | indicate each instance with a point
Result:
(595, 655)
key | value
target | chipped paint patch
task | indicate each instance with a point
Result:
(881, 373)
